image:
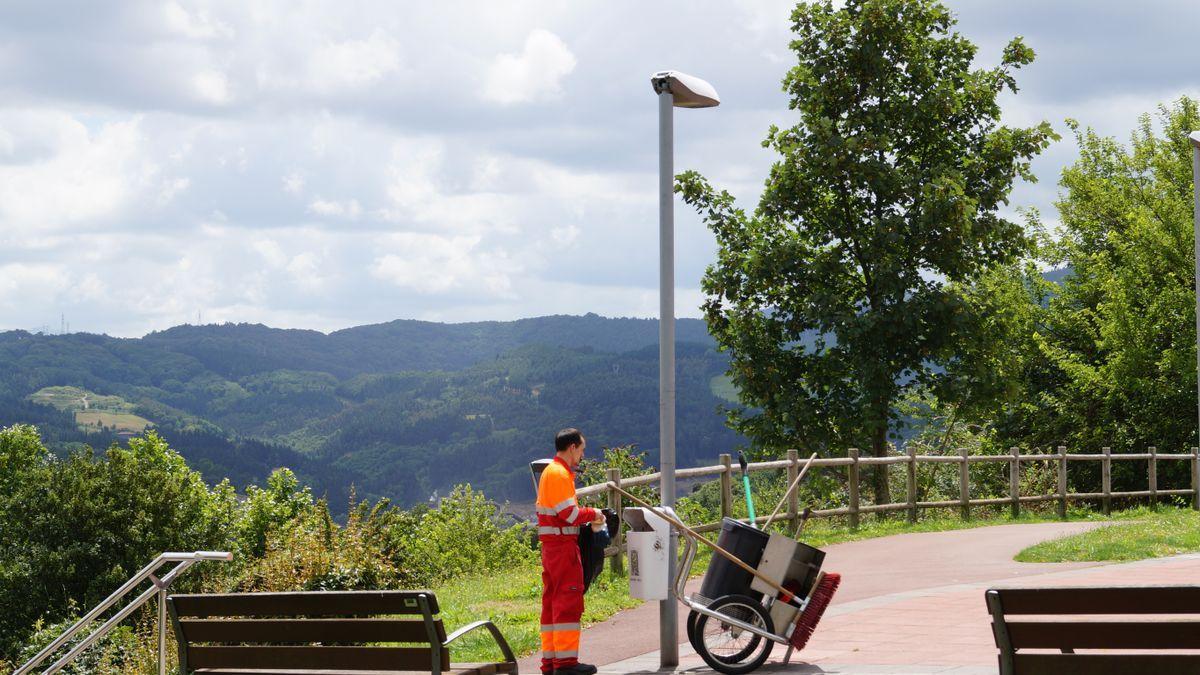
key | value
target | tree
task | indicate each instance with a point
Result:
(1117, 341)
(842, 290)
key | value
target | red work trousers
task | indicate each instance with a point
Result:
(562, 602)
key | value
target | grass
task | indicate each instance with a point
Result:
(513, 599)
(120, 421)
(1148, 533)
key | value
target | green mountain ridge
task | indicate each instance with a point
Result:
(398, 410)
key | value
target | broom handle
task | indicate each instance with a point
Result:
(695, 535)
(790, 490)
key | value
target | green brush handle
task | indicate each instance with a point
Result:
(746, 489)
(749, 500)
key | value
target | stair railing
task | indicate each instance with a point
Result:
(159, 588)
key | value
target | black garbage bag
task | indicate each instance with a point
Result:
(592, 545)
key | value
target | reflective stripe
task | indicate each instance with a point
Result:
(573, 515)
(550, 628)
(558, 530)
(574, 653)
(546, 511)
(564, 504)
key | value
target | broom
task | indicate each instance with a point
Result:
(822, 595)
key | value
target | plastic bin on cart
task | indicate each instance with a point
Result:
(788, 563)
(725, 578)
(648, 540)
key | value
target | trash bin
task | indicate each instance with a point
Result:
(725, 578)
(648, 539)
(536, 467)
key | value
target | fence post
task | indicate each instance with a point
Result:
(964, 484)
(1106, 479)
(1062, 481)
(912, 483)
(1153, 471)
(617, 564)
(794, 497)
(1196, 478)
(853, 488)
(1014, 481)
(727, 486)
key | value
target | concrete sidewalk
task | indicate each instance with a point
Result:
(934, 630)
(870, 569)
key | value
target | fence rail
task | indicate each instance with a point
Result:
(853, 462)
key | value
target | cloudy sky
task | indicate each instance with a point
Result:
(330, 164)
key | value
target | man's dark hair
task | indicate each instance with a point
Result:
(566, 438)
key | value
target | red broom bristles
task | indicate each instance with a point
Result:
(821, 597)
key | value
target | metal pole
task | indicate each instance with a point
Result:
(162, 631)
(1195, 139)
(668, 617)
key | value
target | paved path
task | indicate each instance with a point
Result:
(921, 590)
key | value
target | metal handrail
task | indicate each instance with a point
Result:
(159, 588)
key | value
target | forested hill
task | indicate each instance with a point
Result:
(398, 409)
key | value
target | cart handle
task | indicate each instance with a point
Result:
(784, 594)
(790, 490)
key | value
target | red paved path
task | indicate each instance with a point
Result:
(900, 590)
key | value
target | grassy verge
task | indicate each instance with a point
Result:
(1138, 534)
(513, 599)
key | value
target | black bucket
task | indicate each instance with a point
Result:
(723, 576)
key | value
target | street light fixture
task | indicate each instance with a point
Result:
(1195, 139)
(675, 90)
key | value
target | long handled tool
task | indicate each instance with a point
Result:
(784, 594)
(746, 489)
(790, 490)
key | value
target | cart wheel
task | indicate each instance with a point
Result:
(693, 616)
(729, 649)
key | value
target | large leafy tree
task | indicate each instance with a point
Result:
(842, 289)
(1117, 341)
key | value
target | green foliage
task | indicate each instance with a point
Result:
(75, 529)
(1113, 357)
(464, 535)
(842, 289)
(630, 461)
(266, 510)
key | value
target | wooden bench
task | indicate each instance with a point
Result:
(1063, 623)
(327, 632)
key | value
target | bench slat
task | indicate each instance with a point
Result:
(455, 669)
(248, 631)
(313, 658)
(1106, 664)
(325, 603)
(1104, 634)
(1101, 600)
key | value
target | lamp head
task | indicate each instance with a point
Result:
(1195, 139)
(687, 91)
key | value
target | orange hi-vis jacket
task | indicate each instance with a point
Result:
(559, 516)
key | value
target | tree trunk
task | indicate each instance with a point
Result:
(879, 448)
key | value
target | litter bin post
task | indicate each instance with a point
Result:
(647, 542)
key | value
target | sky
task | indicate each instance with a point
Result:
(329, 164)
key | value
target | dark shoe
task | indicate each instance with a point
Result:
(577, 669)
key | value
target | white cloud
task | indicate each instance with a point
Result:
(293, 183)
(335, 209)
(534, 74)
(431, 264)
(354, 64)
(211, 86)
(198, 25)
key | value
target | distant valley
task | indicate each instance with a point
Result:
(397, 410)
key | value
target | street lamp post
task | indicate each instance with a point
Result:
(1195, 139)
(675, 90)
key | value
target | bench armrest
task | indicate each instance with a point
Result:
(496, 635)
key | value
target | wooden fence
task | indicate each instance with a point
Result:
(854, 462)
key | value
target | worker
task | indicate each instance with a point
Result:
(559, 520)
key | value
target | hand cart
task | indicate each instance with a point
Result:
(770, 590)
